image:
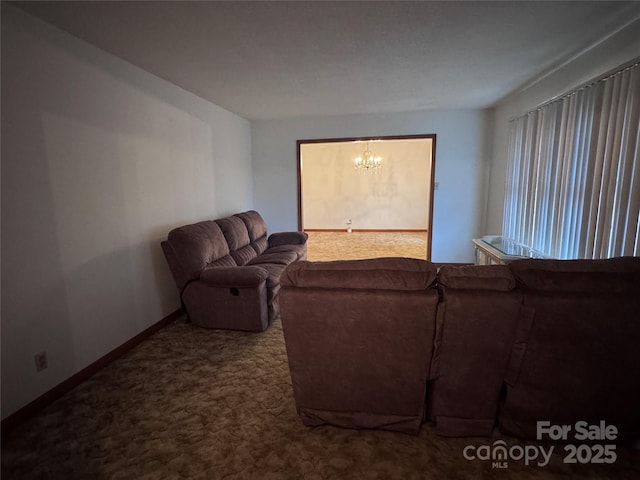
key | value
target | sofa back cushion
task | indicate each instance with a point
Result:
(477, 277)
(237, 237)
(256, 228)
(618, 275)
(193, 247)
(371, 274)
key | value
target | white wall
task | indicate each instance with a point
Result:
(614, 51)
(392, 197)
(100, 159)
(460, 168)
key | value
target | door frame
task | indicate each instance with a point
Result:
(426, 136)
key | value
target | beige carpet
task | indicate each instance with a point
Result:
(323, 246)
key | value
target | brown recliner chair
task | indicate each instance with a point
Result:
(359, 339)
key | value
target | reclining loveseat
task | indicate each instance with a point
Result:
(228, 270)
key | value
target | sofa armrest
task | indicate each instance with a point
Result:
(246, 276)
(287, 238)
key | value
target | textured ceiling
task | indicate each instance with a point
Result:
(270, 60)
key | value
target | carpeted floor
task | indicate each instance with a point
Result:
(206, 404)
(191, 403)
(356, 245)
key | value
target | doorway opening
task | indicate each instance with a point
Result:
(388, 205)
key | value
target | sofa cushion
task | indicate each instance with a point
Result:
(617, 275)
(235, 232)
(282, 258)
(237, 237)
(260, 245)
(257, 229)
(226, 261)
(244, 255)
(197, 245)
(299, 250)
(477, 277)
(370, 274)
(275, 271)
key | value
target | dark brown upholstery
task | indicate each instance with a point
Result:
(359, 338)
(582, 357)
(538, 340)
(535, 340)
(226, 274)
(190, 248)
(237, 237)
(476, 327)
(276, 242)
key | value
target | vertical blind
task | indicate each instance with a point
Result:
(573, 179)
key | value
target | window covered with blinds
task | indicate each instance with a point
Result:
(573, 179)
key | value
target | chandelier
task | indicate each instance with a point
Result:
(368, 161)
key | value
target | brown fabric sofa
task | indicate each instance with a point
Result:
(228, 270)
(537, 340)
(358, 336)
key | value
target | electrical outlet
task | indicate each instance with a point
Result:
(41, 361)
